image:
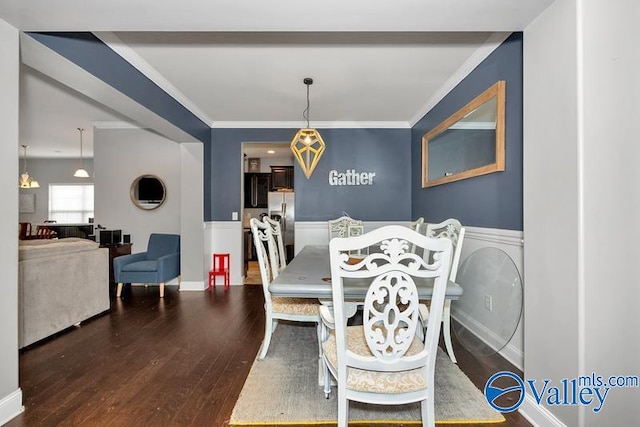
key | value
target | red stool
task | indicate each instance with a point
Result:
(220, 268)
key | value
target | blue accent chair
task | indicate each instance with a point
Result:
(160, 263)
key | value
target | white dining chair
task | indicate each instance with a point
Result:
(415, 225)
(452, 230)
(279, 308)
(382, 361)
(279, 259)
(339, 227)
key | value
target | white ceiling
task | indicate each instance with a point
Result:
(374, 62)
(268, 150)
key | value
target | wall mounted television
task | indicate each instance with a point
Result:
(150, 190)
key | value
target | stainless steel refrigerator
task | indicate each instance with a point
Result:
(282, 208)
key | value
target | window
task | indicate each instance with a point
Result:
(69, 203)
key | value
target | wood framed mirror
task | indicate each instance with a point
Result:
(148, 192)
(469, 143)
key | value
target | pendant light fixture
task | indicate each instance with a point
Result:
(307, 144)
(27, 181)
(81, 172)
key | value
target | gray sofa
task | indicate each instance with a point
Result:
(61, 282)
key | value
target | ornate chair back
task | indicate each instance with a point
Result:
(416, 225)
(339, 227)
(452, 230)
(385, 353)
(24, 230)
(279, 260)
(264, 243)
(277, 308)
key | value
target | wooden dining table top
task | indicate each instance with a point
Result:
(308, 275)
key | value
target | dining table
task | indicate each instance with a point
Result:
(308, 275)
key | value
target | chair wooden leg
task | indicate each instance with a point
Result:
(427, 410)
(446, 330)
(323, 332)
(162, 290)
(320, 334)
(268, 331)
(119, 290)
(326, 378)
(343, 409)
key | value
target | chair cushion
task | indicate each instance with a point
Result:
(142, 266)
(295, 306)
(371, 381)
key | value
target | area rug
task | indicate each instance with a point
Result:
(282, 389)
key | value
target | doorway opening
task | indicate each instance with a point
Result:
(267, 180)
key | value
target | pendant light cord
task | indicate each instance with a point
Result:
(25, 158)
(81, 157)
(305, 113)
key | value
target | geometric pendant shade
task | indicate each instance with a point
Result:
(307, 145)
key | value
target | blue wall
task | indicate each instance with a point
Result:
(223, 168)
(383, 151)
(493, 200)
(90, 53)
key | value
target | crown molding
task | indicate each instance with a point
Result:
(129, 55)
(316, 125)
(492, 43)
(50, 63)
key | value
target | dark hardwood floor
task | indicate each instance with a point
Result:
(177, 361)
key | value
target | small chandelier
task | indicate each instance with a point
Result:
(307, 144)
(81, 171)
(27, 181)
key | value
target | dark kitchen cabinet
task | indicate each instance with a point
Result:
(281, 177)
(256, 190)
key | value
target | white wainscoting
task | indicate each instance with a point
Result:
(510, 241)
(317, 232)
(224, 237)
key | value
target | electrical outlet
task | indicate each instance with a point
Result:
(488, 303)
(234, 216)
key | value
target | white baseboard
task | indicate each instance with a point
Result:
(538, 415)
(510, 352)
(11, 406)
(193, 286)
